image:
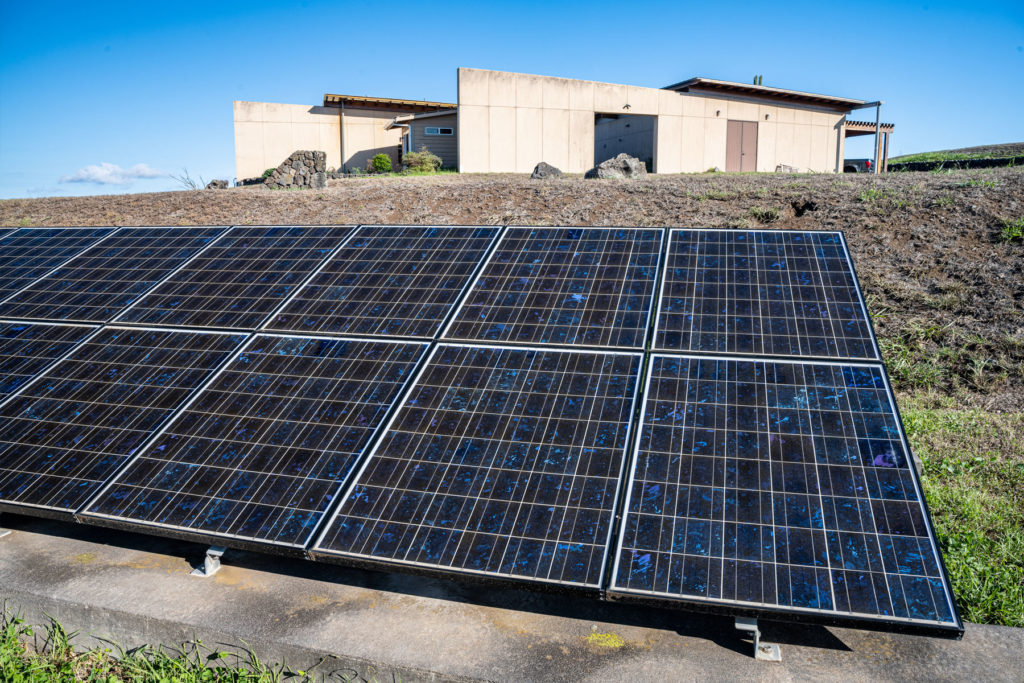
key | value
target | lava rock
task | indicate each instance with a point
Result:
(622, 166)
(545, 170)
(217, 185)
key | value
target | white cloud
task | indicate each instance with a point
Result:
(111, 174)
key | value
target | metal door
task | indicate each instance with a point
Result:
(741, 146)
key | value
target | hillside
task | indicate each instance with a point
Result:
(1008, 149)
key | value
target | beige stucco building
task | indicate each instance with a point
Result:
(508, 122)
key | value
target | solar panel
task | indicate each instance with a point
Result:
(26, 349)
(574, 286)
(98, 283)
(398, 281)
(499, 462)
(261, 452)
(782, 486)
(239, 280)
(763, 292)
(31, 253)
(66, 433)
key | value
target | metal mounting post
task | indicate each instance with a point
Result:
(4, 532)
(768, 652)
(211, 563)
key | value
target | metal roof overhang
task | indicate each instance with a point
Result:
(763, 92)
(389, 103)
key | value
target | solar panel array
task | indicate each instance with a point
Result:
(670, 416)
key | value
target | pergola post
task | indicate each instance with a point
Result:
(878, 139)
(885, 154)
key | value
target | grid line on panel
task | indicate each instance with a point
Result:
(30, 253)
(260, 452)
(239, 280)
(397, 281)
(499, 461)
(71, 429)
(27, 349)
(101, 281)
(784, 485)
(766, 292)
(569, 286)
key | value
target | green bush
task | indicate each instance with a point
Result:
(268, 173)
(380, 163)
(423, 161)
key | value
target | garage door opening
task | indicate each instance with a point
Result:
(629, 133)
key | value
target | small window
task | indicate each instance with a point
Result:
(439, 131)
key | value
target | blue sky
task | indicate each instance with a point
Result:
(102, 98)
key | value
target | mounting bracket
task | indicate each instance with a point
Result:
(767, 652)
(211, 563)
(3, 531)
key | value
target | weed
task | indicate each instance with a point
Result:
(24, 222)
(769, 215)
(1013, 231)
(269, 172)
(871, 194)
(718, 195)
(945, 200)
(187, 181)
(977, 183)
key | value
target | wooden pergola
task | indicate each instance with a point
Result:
(884, 130)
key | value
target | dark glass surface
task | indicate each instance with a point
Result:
(28, 348)
(62, 436)
(580, 286)
(763, 292)
(264, 449)
(398, 281)
(500, 461)
(101, 281)
(31, 253)
(240, 280)
(778, 484)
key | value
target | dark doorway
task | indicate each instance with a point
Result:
(741, 146)
(629, 133)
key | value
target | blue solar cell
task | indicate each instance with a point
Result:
(263, 450)
(573, 286)
(31, 253)
(762, 292)
(66, 433)
(240, 280)
(26, 349)
(499, 462)
(397, 281)
(778, 485)
(102, 280)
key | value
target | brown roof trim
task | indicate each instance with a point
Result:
(389, 103)
(708, 85)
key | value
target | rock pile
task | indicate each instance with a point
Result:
(303, 170)
(622, 166)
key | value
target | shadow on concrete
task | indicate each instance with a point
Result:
(714, 628)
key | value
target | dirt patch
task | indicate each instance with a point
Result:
(946, 292)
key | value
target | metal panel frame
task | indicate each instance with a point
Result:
(744, 608)
(316, 551)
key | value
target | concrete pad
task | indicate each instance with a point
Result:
(136, 589)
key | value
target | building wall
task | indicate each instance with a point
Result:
(444, 146)
(509, 122)
(266, 133)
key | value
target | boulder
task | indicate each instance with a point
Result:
(217, 185)
(622, 166)
(545, 170)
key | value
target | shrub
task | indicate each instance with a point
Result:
(269, 172)
(422, 161)
(380, 163)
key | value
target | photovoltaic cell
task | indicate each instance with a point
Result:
(763, 292)
(779, 485)
(389, 280)
(502, 462)
(264, 448)
(95, 285)
(66, 433)
(574, 286)
(28, 348)
(31, 253)
(240, 280)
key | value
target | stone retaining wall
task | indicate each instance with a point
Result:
(303, 170)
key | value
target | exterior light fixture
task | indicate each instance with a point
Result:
(717, 112)
(626, 106)
(766, 116)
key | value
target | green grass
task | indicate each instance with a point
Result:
(764, 215)
(974, 483)
(1012, 231)
(943, 156)
(55, 659)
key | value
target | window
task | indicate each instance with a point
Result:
(439, 131)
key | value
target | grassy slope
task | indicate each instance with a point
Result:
(984, 152)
